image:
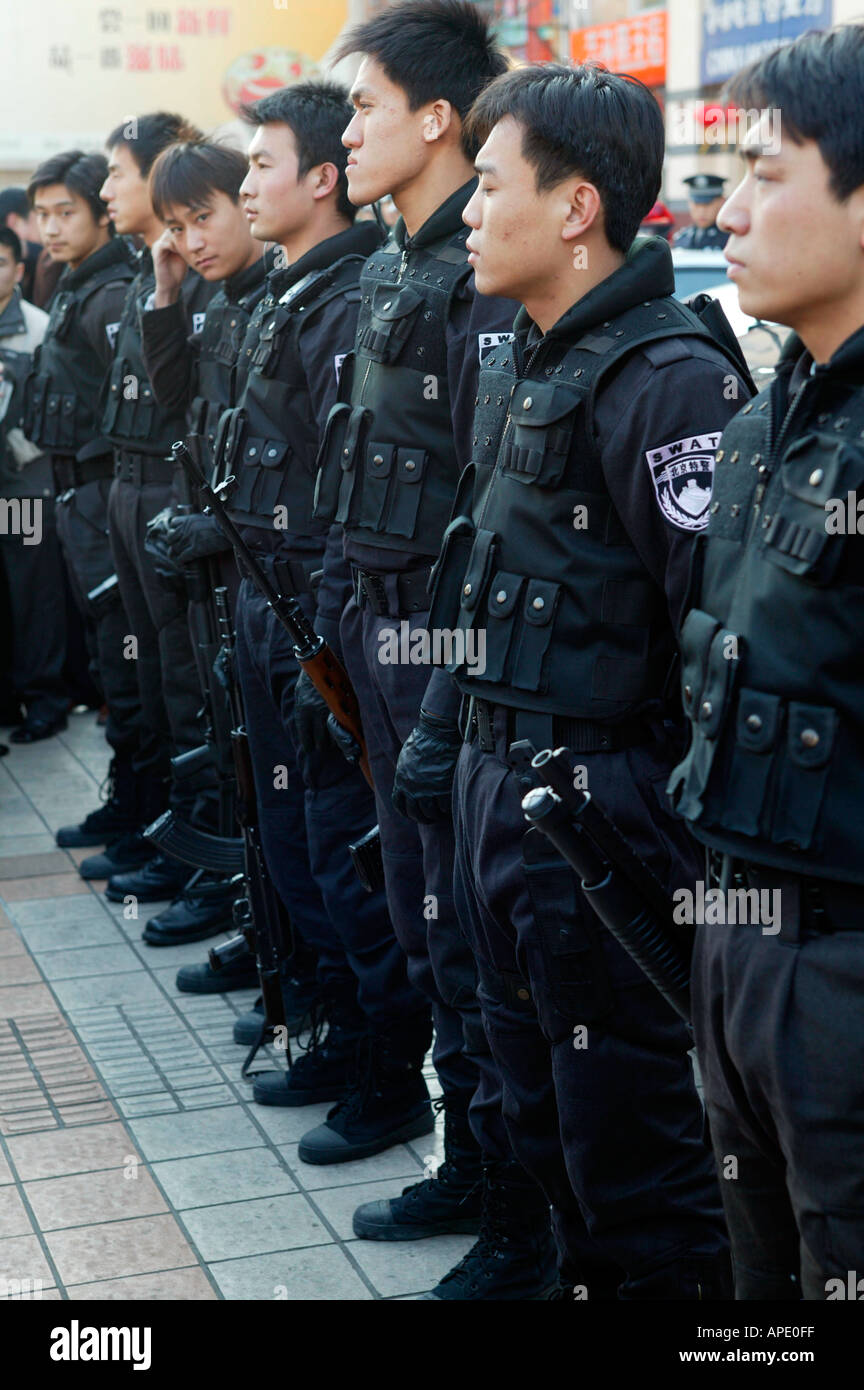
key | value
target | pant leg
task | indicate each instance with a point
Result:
(36, 589)
(152, 760)
(340, 808)
(630, 1122)
(280, 796)
(82, 527)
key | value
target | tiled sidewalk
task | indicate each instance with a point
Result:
(133, 1164)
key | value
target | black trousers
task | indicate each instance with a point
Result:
(35, 579)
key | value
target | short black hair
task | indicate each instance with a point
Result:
(13, 200)
(432, 49)
(317, 114)
(186, 175)
(797, 80)
(81, 173)
(147, 136)
(584, 120)
(13, 241)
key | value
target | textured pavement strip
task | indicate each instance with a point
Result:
(132, 1163)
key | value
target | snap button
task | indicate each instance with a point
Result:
(410, 465)
(735, 509)
(538, 603)
(345, 453)
(735, 456)
(522, 994)
(748, 407)
(501, 596)
(271, 453)
(754, 722)
(816, 477)
(486, 400)
(527, 403)
(719, 455)
(467, 590)
(757, 458)
(252, 452)
(688, 693)
(388, 304)
(715, 507)
(707, 709)
(809, 738)
(379, 458)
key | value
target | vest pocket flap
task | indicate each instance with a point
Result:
(411, 465)
(758, 720)
(820, 467)
(379, 460)
(67, 405)
(228, 437)
(696, 637)
(52, 404)
(357, 419)
(811, 734)
(720, 678)
(540, 602)
(274, 453)
(253, 450)
(393, 312)
(538, 404)
(391, 303)
(504, 593)
(446, 578)
(479, 565)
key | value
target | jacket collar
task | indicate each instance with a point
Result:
(114, 252)
(445, 221)
(236, 286)
(646, 274)
(362, 239)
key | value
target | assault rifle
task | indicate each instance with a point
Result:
(623, 891)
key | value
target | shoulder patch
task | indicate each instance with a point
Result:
(111, 333)
(337, 363)
(197, 324)
(683, 476)
(485, 341)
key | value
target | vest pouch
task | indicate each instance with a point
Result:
(36, 389)
(52, 420)
(391, 320)
(474, 580)
(68, 404)
(347, 503)
(114, 394)
(227, 443)
(710, 670)
(542, 421)
(144, 405)
(815, 470)
(535, 634)
(448, 572)
(756, 729)
(810, 734)
(411, 466)
(377, 471)
(271, 477)
(502, 607)
(247, 470)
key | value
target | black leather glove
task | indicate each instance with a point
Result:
(310, 717)
(194, 537)
(156, 545)
(423, 784)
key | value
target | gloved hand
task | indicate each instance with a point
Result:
(194, 537)
(310, 717)
(423, 783)
(156, 545)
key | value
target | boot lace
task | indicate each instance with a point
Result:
(479, 1263)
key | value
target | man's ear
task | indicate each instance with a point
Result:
(324, 179)
(19, 272)
(584, 212)
(437, 120)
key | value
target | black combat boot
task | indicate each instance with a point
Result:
(301, 995)
(447, 1204)
(122, 856)
(118, 816)
(388, 1103)
(204, 908)
(161, 877)
(514, 1257)
(241, 973)
(324, 1069)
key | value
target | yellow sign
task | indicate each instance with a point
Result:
(80, 69)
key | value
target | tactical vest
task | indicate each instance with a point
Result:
(132, 417)
(773, 661)
(543, 567)
(64, 387)
(269, 440)
(388, 469)
(221, 343)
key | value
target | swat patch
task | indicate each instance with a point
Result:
(197, 324)
(337, 363)
(111, 333)
(491, 340)
(683, 475)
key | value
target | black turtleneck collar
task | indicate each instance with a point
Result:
(646, 274)
(444, 221)
(236, 286)
(114, 252)
(361, 239)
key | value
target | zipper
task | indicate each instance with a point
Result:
(522, 370)
(771, 453)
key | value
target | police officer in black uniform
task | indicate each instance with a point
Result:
(704, 202)
(142, 435)
(772, 683)
(64, 391)
(389, 468)
(591, 472)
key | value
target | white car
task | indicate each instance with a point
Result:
(704, 272)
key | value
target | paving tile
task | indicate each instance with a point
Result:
(95, 930)
(89, 1198)
(317, 1273)
(338, 1204)
(18, 970)
(51, 910)
(157, 1103)
(176, 1285)
(5, 1171)
(14, 1220)
(113, 1249)
(22, 1122)
(16, 1000)
(223, 1177)
(112, 989)
(205, 1096)
(30, 1294)
(71, 1151)
(285, 1126)
(392, 1165)
(94, 961)
(34, 865)
(57, 886)
(11, 943)
(21, 1257)
(418, 1265)
(14, 845)
(254, 1227)
(195, 1132)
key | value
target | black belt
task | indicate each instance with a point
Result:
(139, 469)
(819, 905)
(69, 473)
(551, 730)
(290, 577)
(412, 591)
